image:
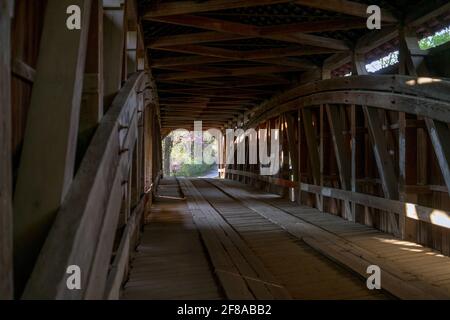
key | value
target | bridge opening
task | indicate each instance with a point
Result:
(190, 154)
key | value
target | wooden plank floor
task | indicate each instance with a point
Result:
(228, 241)
(170, 262)
(302, 271)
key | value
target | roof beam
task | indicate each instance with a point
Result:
(307, 27)
(346, 7)
(427, 11)
(187, 7)
(250, 31)
(254, 55)
(241, 83)
(227, 72)
(193, 38)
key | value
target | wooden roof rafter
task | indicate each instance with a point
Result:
(246, 30)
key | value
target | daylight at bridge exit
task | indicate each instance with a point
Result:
(209, 153)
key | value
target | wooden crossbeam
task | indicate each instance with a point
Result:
(241, 83)
(325, 25)
(194, 38)
(204, 57)
(251, 31)
(186, 7)
(232, 55)
(166, 109)
(307, 27)
(227, 72)
(217, 94)
(426, 11)
(347, 7)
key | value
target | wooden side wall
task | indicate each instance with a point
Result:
(136, 189)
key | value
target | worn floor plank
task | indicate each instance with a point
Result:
(171, 262)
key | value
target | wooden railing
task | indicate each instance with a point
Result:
(85, 226)
(404, 209)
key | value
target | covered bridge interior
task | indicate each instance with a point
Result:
(364, 154)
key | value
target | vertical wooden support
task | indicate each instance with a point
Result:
(407, 154)
(48, 157)
(131, 38)
(291, 122)
(92, 102)
(353, 156)
(342, 152)
(382, 157)
(412, 58)
(299, 157)
(148, 149)
(440, 137)
(322, 153)
(412, 62)
(6, 250)
(383, 160)
(113, 47)
(313, 150)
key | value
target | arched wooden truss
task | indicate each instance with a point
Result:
(333, 105)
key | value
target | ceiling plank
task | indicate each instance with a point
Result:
(186, 7)
(346, 7)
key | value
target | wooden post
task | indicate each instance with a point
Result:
(113, 42)
(47, 164)
(382, 158)
(299, 157)
(313, 151)
(92, 102)
(321, 154)
(293, 152)
(148, 148)
(6, 250)
(411, 61)
(353, 156)
(132, 38)
(342, 152)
